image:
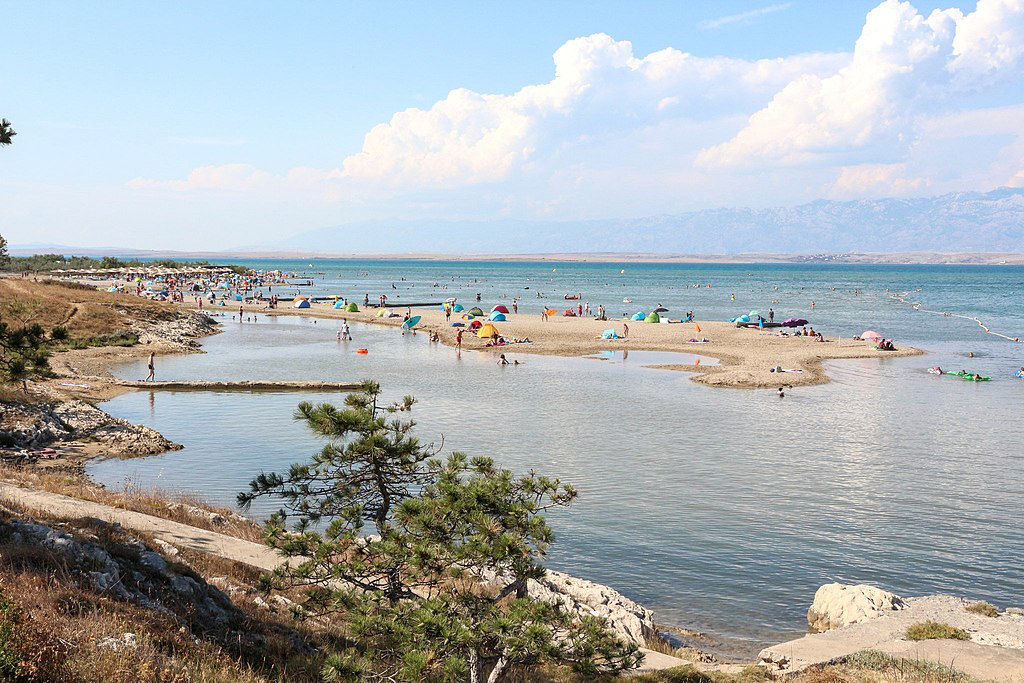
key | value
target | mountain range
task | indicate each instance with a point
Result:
(962, 221)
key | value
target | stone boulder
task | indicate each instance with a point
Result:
(837, 605)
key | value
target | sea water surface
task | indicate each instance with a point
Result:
(721, 509)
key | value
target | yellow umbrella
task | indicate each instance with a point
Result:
(487, 330)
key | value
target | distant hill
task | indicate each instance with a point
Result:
(956, 222)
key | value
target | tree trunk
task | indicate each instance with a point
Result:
(474, 667)
(498, 670)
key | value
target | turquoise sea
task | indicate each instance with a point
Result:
(723, 510)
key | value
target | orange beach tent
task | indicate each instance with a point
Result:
(487, 330)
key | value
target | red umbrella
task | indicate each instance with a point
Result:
(500, 308)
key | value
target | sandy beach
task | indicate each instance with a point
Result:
(745, 356)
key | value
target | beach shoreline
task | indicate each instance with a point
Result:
(745, 356)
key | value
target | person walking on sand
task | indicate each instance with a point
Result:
(152, 367)
(625, 330)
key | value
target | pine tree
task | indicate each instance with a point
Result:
(440, 590)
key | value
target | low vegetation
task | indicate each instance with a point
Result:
(985, 609)
(39, 263)
(934, 630)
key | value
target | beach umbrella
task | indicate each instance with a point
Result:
(661, 309)
(654, 318)
(458, 324)
(497, 316)
(639, 315)
(487, 331)
(450, 300)
(458, 308)
(500, 308)
(411, 322)
(550, 312)
(793, 322)
(475, 325)
(870, 334)
(475, 311)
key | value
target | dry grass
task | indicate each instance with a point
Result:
(52, 629)
(934, 630)
(985, 609)
(86, 314)
(179, 507)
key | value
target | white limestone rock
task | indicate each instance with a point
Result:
(837, 605)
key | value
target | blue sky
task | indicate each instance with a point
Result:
(117, 105)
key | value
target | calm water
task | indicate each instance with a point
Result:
(723, 510)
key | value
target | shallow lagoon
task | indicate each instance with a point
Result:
(721, 509)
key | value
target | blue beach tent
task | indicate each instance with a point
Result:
(497, 316)
(301, 303)
(639, 315)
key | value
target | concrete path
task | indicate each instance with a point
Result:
(201, 540)
(256, 385)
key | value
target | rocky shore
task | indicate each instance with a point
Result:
(985, 643)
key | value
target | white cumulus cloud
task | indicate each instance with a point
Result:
(904, 65)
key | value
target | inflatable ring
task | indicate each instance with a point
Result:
(362, 351)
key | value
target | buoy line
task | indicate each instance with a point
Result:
(918, 306)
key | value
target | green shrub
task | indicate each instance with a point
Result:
(934, 630)
(985, 609)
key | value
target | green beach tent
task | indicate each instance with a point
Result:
(654, 318)
(352, 308)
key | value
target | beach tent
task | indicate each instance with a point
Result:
(639, 315)
(487, 330)
(475, 311)
(381, 312)
(500, 309)
(569, 313)
(654, 318)
(497, 316)
(610, 333)
(352, 308)
(339, 304)
(475, 325)
(871, 334)
(458, 308)
(742, 319)
(300, 303)
(238, 297)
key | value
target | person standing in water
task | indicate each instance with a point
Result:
(152, 367)
(458, 339)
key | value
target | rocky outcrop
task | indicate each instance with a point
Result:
(26, 425)
(125, 570)
(181, 329)
(631, 621)
(837, 605)
(867, 618)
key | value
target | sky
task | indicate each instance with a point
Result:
(196, 125)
